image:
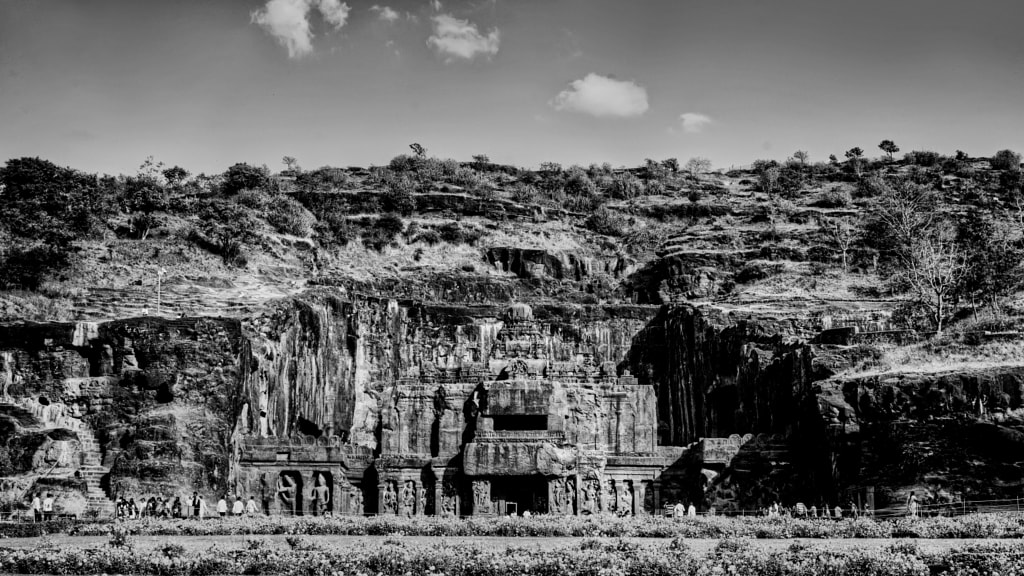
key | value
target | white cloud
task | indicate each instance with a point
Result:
(288, 21)
(385, 13)
(436, 5)
(335, 12)
(602, 96)
(456, 38)
(694, 122)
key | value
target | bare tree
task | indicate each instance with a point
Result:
(769, 179)
(697, 166)
(933, 268)
(906, 208)
(842, 232)
(802, 156)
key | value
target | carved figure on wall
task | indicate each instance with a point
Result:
(518, 370)
(264, 493)
(390, 503)
(448, 498)
(321, 495)
(409, 498)
(589, 495)
(421, 500)
(286, 492)
(355, 501)
(558, 496)
(624, 506)
(481, 497)
(570, 495)
(608, 496)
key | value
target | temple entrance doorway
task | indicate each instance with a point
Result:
(517, 494)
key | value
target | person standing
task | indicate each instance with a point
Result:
(691, 511)
(204, 510)
(48, 507)
(37, 507)
(238, 508)
(250, 507)
(176, 507)
(222, 506)
(678, 511)
(195, 504)
(912, 505)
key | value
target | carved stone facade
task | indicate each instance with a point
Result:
(521, 431)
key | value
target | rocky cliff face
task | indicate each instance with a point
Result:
(944, 435)
(717, 376)
(141, 405)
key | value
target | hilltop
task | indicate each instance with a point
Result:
(816, 244)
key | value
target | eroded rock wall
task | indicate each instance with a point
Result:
(147, 404)
(716, 376)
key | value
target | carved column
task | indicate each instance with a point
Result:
(308, 505)
(639, 493)
(656, 487)
(439, 494)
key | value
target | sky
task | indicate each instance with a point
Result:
(102, 84)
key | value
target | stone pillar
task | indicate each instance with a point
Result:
(439, 494)
(656, 487)
(308, 483)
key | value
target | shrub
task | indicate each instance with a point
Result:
(121, 537)
(242, 176)
(834, 198)
(579, 184)
(382, 231)
(523, 193)
(604, 221)
(288, 216)
(1006, 160)
(333, 230)
(925, 158)
(258, 200)
(626, 186)
(453, 233)
(428, 237)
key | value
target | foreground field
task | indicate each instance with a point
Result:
(385, 556)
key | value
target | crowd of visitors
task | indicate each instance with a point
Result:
(195, 507)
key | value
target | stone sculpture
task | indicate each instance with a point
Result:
(286, 490)
(321, 495)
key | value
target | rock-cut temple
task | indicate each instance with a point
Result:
(527, 424)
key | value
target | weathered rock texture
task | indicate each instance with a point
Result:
(143, 405)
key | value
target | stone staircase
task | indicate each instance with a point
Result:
(93, 472)
(31, 414)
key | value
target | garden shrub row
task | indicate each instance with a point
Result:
(392, 556)
(1009, 525)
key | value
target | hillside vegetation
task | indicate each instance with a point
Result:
(924, 243)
